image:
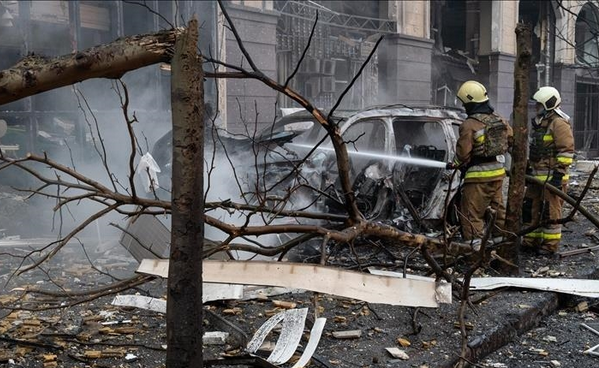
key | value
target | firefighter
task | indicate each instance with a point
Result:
(551, 152)
(484, 139)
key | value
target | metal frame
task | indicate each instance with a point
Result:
(307, 10)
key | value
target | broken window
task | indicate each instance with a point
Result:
(366, 136)
(587, 115)
(95, 23)
(421, 139)
(456, 26)
(541, 16)
(587, 30)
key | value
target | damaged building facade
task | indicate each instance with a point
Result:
(429, 49)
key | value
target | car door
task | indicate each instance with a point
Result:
(367, 140)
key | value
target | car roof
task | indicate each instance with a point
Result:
(399, 110)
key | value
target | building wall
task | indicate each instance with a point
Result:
(565, 31)
(250, 102)
(405, 58)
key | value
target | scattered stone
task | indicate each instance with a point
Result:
(49, 357)
(540, 271)
(555, 363)
(404, 342)
(340, 319)
(398, 353)
(131, 357)
(233, 311)
(541, 352)
(582, 307)
(92, 354)
(429, 344)
(549, 338)
(468, 325)
(284, 304)
(349, 334)
(215, 338)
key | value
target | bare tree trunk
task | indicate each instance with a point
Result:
(184, 306)
(35, 74)
(510, 251)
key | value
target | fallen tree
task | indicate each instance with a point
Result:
(35, 74)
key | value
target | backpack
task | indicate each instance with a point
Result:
(496, 135)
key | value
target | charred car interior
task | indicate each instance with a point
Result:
(397, 158)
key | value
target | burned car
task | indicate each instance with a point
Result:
(398, 156)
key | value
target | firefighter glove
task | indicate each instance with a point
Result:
(556, 180)
(451, 166)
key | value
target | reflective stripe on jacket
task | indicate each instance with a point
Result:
(468, 148)
(551, 148)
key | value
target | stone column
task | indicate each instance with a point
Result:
(405, 70)
(496, 72)
(497, 52)
(251, 100)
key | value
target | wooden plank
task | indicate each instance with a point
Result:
(322, 279)
(581, 287)
(348, 334)
(574, 252)
(443, 287)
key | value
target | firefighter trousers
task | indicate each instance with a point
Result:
(476, 197)
(541, 205)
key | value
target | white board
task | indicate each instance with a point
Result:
(327, 280)
(581, 287)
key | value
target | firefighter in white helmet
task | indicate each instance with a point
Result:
(484, 138)
(551, 153)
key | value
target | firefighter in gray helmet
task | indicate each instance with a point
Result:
(551, 152)
(484, 137)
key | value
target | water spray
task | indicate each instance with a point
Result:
(407, 160)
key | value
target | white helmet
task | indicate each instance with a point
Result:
(548, 97)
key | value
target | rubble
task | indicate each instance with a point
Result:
(398, 353)
(349, 334)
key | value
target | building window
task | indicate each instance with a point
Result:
(586, 117)
(587, 31)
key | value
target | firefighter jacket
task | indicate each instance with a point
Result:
(468, 147)
(551, 147)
